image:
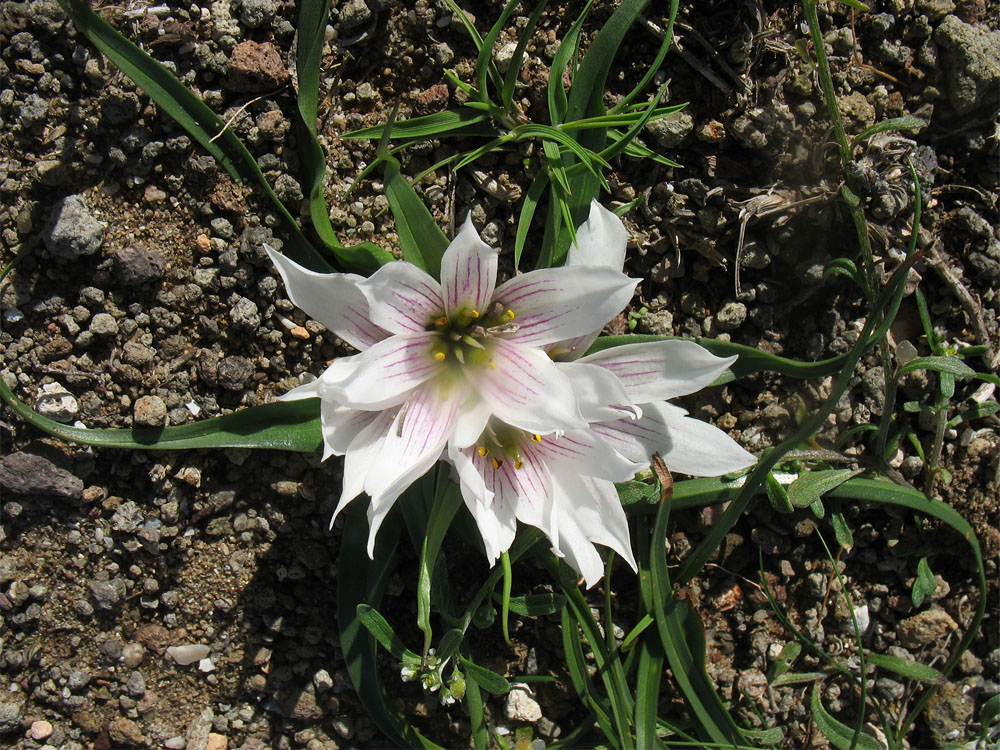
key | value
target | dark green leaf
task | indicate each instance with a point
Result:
(896, 123)
(487, 679)
(537, 605)
(812, 485)
(421, 239)
(911, 670)
(448, 645)
(951, 365)
(842, 530)
(382, 631)
(924, 585)
(839, 734)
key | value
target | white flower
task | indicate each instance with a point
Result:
(441, 360)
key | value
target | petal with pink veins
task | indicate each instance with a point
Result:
(468, 272)
(402, 298)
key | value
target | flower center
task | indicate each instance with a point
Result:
(501, 443)
(463, 337)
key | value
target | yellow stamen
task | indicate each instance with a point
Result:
(509, 314)
(492, 364)
(481, 450)
(536, 438)
(519, 464)
(474, 314)
(439, 356)
(442, 321)
(496, 464)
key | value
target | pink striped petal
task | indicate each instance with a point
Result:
(332, 299)
(384, 375)
(359, 457)
(554, 304)
(582, 452)
(600, 394)
(493, 512)
(527, 390)
(402, 298)
(468, 272)
(662, 369)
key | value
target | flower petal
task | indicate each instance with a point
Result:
(662, 369)
(468, 271)
(472, 420)
(600, 240)
(341, 425)
(402, 298)
(686, 445)
(590, 512)
(527, 390)
(583, 453)
(333, 299)
(600, 394)
(384, 375)
(412, 445)
(493, 512)
(359, 457)
(553, 304)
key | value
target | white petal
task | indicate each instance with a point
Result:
(360, 455)
(468, 271)
(662, 369)
(385, 374)
(341, 425)
(600, 240)
(553, 304)
(413, 445)
(600, 394)
(333, 299)
(686, 445)
(698, 448)
(572, 349)
(310, 389)
(472, 420)
(528, 489)
(583, 453)
(527, 390)
(402, 298)
(494, 517)
(590, 512)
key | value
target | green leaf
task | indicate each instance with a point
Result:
(985, 409)
(447, 500)
(950, 365)
(382, 631)
(487, 679)
(989, 713)
(798, 678)
(421, 239)
(425, 126)
(789, 653)
(514, 66)
(896, 123)
(839, 734)
(286, 425)
(634, 492)
(911, 670)
(311, 36)
(841, 530)
(449, 644)
(924, 585)
(566, 52)
(537, 605)
(812, 485)
(777, 495)
(192, 114)
(857, 5)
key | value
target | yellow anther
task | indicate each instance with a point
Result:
(536, 438)
(481, 450)
(509, 314)
(474, 314)
(496, 464)
(439, 356)
(442, 321)
(519, 464)
(492, 364)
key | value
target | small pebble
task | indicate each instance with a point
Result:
(40, 730)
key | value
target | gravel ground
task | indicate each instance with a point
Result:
(150, 301)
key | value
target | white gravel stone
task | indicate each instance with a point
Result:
(188, 653)
(55, 402)
(521, 706)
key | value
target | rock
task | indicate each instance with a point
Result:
(55, 402)
(199, 729)
(287, 188)
(216, 742)
(857, 112)
(71, 230)
(103, 324)
(354, 14)
(234, 373)
(935, 10)
(77, 680)
(137, 355)
(924, 628)
(971, 61)
(433, 99)
(671, 130)
(10, 716)
(188, 653)
(132, 654)
(30, 474)
(124, 732)
(255, 13)
(521, 706)
(106, 594)
(947, 714)
(244, 315)
(303, 707)
(731, 316)
(255, 67)
(149, 411)
(40, 730)
(135, 265)
(136, 685)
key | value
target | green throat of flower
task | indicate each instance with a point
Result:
(501, 443)
(463, 338)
